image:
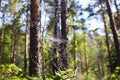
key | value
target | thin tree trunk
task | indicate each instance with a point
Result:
(74, 50)
(74, 46)
(13, 46)
(114, 31)
(2, 43)
(26, 44)
(85, 55)
(55, 58)
(108, 44)
(2, 37)
(99, 69)
(0, 3)
(35, 66)
(64, 32)
(42, 52)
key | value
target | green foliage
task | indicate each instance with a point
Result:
(14, 5)
(10, 72)
(116, 74)
(95, 49)
(7, 42)
(62, 75)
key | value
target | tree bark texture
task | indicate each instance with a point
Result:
(64, 39)
(55, 44)
(35, 66)
(114, 31)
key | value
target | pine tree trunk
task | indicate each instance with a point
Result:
(35, 66)
(64, 32)
(55, 44)
(114, 31)
(13, 46)
(26, 44)
(108, 44)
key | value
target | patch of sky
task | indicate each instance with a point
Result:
(91, 23)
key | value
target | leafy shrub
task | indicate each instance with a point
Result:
(10, 72)
(116, 74)
(62, 75)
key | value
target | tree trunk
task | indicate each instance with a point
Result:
(74, 45)
(114, 31)
(2, 37)
(55, 44)
(74, 37)
(26, 44)
(85, 55)
(13, 46)
(108, 44)
(0, 3)
(64, 39)
(35, 66)
(2, 43)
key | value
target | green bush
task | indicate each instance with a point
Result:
(10, 72)
(116, 74)
(62, 75)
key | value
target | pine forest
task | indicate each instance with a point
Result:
(59, 39)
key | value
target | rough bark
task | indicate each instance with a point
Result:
(64, 39)
(55, 44)
(114, 31)
(35, 66)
